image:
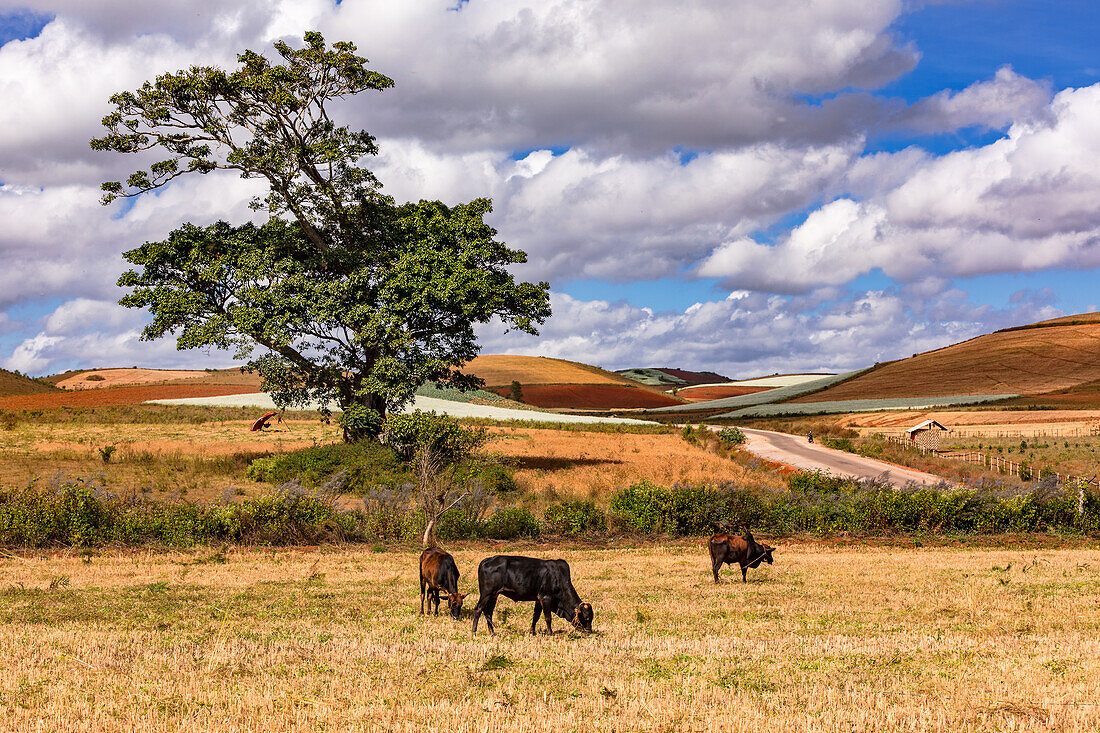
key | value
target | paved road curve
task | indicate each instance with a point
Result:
(795, 450)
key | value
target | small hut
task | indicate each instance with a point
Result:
(927, 435)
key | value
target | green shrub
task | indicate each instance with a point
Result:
(443, 434)
(730, 437)
(510, 523)
(360, 422)
(365, 464)
(574, 518)
(839, 444)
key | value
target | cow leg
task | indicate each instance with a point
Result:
(421, 596)
(435, 599)
(716, 566)
(744, 574)
(490, 606)
(547, 605)
(535, 618)
(477, 615)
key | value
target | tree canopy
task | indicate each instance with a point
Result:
(354, 298)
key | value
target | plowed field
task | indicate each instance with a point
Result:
(112, 396)
(590, 396)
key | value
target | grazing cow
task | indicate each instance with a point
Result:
(439, 572)
(546, 582)
(743, 550)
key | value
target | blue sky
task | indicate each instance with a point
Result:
(694, 188)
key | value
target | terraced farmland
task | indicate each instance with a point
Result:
(842, 406)
(778, 394)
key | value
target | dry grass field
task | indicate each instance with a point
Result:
(200, 462)
(500, 370)
(569, 465)
(1025, 361)
(827, 639)
(100, 378)
(975, 421)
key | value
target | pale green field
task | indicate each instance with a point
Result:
(827, 639)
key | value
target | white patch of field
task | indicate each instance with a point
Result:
(449, 407)
(781, 380)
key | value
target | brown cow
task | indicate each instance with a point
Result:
(439, 572)
(743, 550)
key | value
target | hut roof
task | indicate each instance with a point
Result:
(926, 425)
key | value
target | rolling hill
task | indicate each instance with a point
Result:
(1040, 358)
(16, 385)
(561, 384)
(668, 377)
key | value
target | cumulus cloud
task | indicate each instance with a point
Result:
(1026, 202)
(657, 142)
(83, 333)
(749, 334)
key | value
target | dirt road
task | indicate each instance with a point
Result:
(795, 450)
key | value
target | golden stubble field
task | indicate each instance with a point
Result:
(829, 638)
(203, 462)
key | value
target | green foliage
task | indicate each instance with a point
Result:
(730, 437)
(684, 510)
(839, 444)
(819, 503)
(352, 298)
(575, 518)
(510, 523)
(442, 435)
(78, 512)
(364, 465)
(515, 392)
(360, 421)
(106, 452)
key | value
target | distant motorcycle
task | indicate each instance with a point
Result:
(810, 437)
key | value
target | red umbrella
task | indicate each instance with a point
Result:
(262, 422)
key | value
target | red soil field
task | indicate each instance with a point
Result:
(717, 392)
(590, 396)
(113, 396)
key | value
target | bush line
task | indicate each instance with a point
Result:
(79, 513)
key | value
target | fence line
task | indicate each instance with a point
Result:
(979, 432)
(998, 463)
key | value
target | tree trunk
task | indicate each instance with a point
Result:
(429, 533)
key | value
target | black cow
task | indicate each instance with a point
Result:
(439, 572)
(546, 582)
(743, 550)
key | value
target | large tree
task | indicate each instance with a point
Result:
(355, 299)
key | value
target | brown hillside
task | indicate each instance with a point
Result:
(114, 396)
(12, 384)
(1025, 361)
(501, 370)
(102, 378)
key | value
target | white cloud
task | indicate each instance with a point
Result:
(754, 333)
(85, 333)
(1026, 202)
